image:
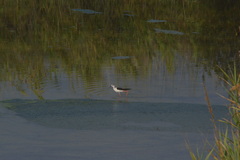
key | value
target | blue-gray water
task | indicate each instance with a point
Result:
(102, 129)
(90, 114)
(86, 120)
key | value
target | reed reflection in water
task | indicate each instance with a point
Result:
(157, 84)
(76, 49)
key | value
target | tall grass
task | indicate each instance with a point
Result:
(227, 142)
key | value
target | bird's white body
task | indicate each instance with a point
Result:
(115, 89)
(119, 90)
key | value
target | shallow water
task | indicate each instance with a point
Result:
(157, 84)
(90, 114)
(100, 129)
(86, 119)
(161, 113)
(59, 58)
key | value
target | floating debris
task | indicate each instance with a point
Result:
(157, 30)
(87, 11)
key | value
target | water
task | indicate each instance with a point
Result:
(90, 114)
(100, 129)
(79, 118)
(184, 85)
(57, 65)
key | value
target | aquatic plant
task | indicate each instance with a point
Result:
(227, 143)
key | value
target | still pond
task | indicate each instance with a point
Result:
(58, 60)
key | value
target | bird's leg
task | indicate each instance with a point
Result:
(119, 93)
(126, 93)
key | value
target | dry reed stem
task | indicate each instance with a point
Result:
(230, 100)
(236, 88)
(209, 104)
(216, 132)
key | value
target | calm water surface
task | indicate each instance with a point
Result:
(102, 129)
(58, 60)
(157, 84)
(87, 120)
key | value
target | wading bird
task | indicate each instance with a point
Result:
(119, 90)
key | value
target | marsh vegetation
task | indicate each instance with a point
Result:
(38, 37)
(227, 139)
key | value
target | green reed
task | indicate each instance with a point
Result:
(227, 143)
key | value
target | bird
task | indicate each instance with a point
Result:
(119, 90)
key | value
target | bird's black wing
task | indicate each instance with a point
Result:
(123, 88)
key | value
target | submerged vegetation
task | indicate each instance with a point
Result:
(80, 37)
